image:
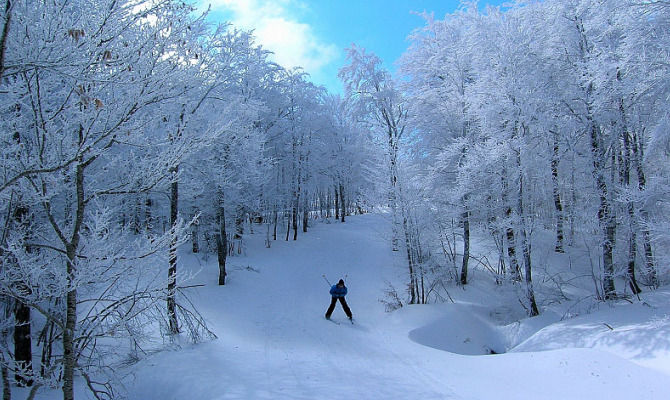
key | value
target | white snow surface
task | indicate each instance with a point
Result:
(274, 342)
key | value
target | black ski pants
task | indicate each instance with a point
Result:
(332, 307)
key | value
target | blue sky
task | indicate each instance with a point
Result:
(313, 34)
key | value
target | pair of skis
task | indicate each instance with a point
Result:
(338, 323)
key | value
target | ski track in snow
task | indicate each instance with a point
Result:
(274, 342)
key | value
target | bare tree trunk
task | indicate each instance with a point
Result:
(48, 336)
(526, 245)
(558, 205)
(509, 231)
(305, 214)
(5, 33)
(606, 217)
(239, 223)
(343, 202)
(605, 214)
(530, 292)
(23, 351)
(632, 231)
(4, 303)
(410, 262)
(6, 389)
(69, 356)
(148, 216)
(23, 354)
(275, 217)
(172, 257)
(222, 244)
(288, 227)
(638, 155)
(195, 243)
(466, 247)
(337, 204)
(294, 217)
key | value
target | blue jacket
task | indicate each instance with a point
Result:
(337, 291)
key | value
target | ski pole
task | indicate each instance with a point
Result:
(327, 281)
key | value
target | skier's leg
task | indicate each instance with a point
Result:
(331, 308)
(346, 307)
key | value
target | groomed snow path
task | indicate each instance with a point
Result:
(274, 342)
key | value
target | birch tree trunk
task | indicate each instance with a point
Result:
(558, 204)
(509, 230)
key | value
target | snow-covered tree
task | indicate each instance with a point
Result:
(83, 87)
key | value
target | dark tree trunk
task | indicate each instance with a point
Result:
(5, 310)
(605, 215)
(526, 245)
(466, 247)
(239, 223)
(275, 217)
(625, 156)
(23, 354)
(5, 33)
(288, 227)
(6, 389)
(294, 222)
(23, 351)
(305, 215)
(343, 202)
(137, 224)
(530, 292)
(195, 244)
(172, 257)
(222, 245)
(148, 216)
(638, 155)
(48, 337)
(632, 255)
(69, 354)
(410, 262)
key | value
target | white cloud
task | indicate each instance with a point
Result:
(278, 30)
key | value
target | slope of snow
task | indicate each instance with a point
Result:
(274, 343)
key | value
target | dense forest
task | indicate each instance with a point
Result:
(132, 127)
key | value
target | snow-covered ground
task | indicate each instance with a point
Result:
(274, 343)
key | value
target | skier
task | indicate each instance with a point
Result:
(338, 292)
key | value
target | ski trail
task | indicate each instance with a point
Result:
(274, 343)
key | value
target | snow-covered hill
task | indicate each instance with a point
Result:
(274, 342)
